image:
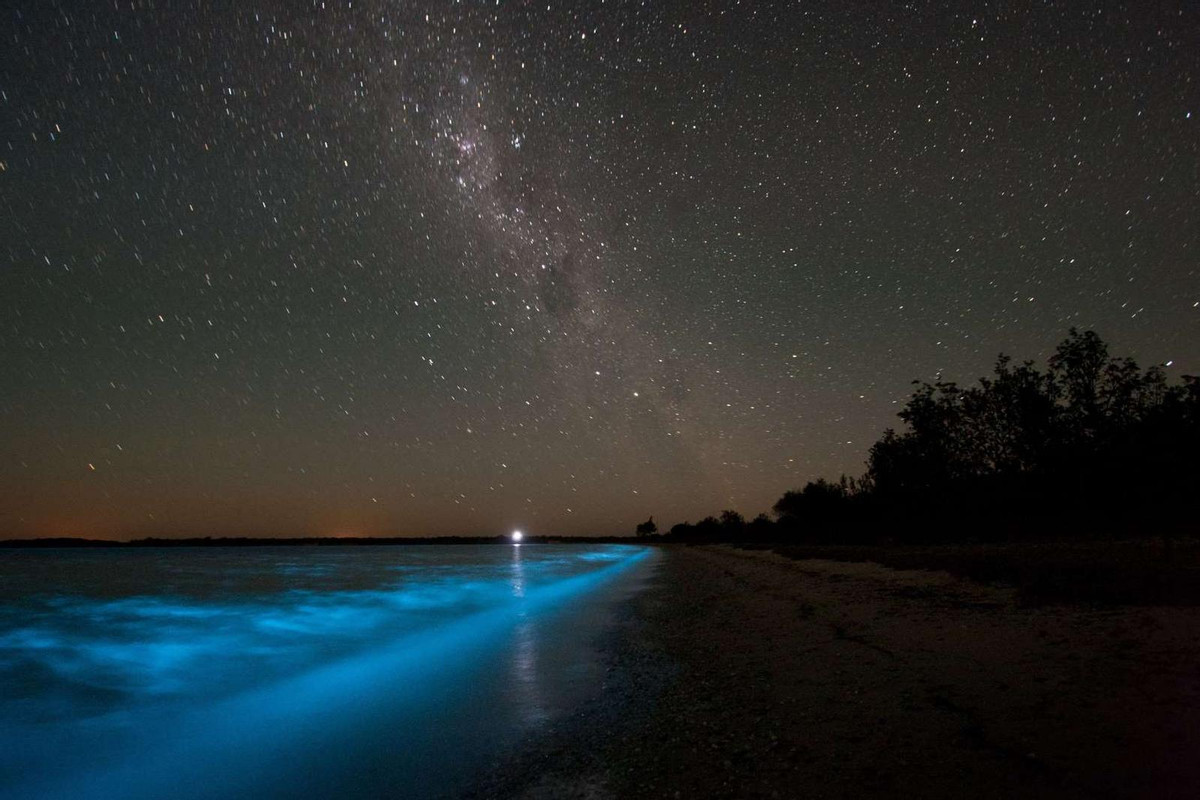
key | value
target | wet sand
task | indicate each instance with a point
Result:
(745, 674)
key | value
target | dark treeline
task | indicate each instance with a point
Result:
(1093, 446)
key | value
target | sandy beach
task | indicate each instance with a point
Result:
(746, 674)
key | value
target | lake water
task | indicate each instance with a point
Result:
(292, 671)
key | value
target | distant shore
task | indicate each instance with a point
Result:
(747, 674)
(303, 541)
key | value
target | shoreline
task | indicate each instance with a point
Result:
(745, 674)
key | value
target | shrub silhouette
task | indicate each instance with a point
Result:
(733, 524)
(760, 529)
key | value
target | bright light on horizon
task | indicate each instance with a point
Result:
(517, 536)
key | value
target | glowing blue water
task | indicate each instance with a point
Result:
(358, 671)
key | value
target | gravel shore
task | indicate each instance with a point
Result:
(745, 674)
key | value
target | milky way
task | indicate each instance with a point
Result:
(390, 267)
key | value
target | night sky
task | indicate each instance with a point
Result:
(391, 267)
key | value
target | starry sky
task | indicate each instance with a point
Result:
(450, 267)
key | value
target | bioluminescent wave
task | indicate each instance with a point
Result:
(290, 671)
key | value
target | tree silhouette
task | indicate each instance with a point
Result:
(1092, 444)
(1092, 439)
(708, 529)
(681, 530)
(647, 528)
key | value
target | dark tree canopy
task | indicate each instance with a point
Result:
(1092, 444)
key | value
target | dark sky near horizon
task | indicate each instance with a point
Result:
(454, 267)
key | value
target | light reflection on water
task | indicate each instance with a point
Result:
(287, 671)
(525, 681)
